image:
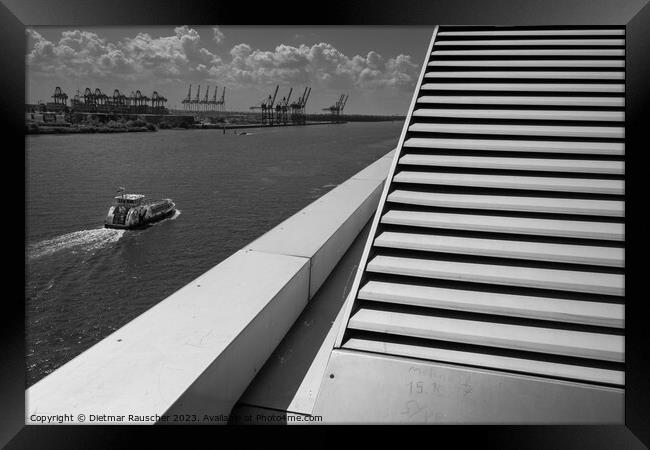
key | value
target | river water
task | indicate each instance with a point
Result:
(85, 281)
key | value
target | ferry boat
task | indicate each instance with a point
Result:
(131, 211)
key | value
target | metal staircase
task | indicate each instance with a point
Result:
(499, 239)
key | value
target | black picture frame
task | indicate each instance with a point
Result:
(15, 15)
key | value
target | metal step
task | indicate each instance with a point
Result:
(553, 32)
(578, 344)
(468, 358)
(501, 248)
(529, 52)
(555, 184)
(510, 145)
(497, 303)
(506, 163)
(601, 132)
(595, 42)
(523, 114)
(614, 88)
(571, 63)
(553, 279)
(606, 102)
(607, 208)
(506, 224)
(563, 75)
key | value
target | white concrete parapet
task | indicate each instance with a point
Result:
(190, 357)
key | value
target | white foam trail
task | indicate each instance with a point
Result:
(85, 240)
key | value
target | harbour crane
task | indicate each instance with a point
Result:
(204, 102)
(60, 97)
(196, 100)
(214, 103)
(282, 109)
(158, 102)
(337, 108)
(97, 101)
(298, 107)
(222, 100)
(187, 101)
(266, 106)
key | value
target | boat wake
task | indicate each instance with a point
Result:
(85, 241)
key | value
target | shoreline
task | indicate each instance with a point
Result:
(109, 130)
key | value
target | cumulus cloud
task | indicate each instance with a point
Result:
(217, 35)
(83, 54)
(321, 64)
(183, 56)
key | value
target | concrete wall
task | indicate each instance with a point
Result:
(190, 357)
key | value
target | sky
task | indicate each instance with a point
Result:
(377, 66)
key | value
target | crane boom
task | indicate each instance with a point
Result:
(344, 102)
(305, 100)
(275, 94)
(288, 97)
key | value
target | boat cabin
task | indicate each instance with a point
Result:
(129, 200)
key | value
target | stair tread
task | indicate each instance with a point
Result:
(615, 102)
(522, 114)
(603, 132)
(505, 224)
(619, 63)
(606, 347)
(615, 88)
(597, 42)
(498, 303)
(504, 248)
(609, 208)
(511, 145)
(556, 184)
(554, 32)
(579, 75)
(512, 163)
(531, 52)
(553, 279)
(551, 369)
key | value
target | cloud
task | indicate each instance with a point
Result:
(184, 57)
(83, 54)
(218, 35)
(320, 64)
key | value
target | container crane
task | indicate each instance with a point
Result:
(266, 106)
(282, 109)
(298, 107)
(222, 100)
(187, 101)
(337, 108)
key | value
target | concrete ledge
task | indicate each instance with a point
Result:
(168, 355)
(196, 352)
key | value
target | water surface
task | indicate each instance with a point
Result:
(85, 281)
